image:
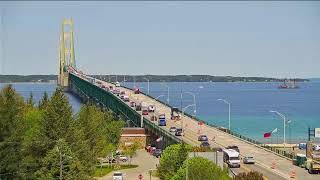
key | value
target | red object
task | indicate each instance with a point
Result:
(200, 123)
(267, 135)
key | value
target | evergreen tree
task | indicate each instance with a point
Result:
(61, 163)
(30, 101)
(11, 125)
(43, 103)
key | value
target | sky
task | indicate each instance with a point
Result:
(270, 39)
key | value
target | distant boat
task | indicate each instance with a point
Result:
(289, 84)
(200, 87)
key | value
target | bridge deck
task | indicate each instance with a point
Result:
(262, 157)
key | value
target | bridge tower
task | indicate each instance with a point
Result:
(66, 52)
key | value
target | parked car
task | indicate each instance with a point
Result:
(117, 84)
(234, 147)
(173, 129)
(202, 138)
(123, 158)
(122, 92)
(248, 160)
(117, 176)
(157, 153)
(178, 132)
(205, 144)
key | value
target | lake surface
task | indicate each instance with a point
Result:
(250, 105)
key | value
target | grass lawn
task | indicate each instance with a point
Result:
(106, 169)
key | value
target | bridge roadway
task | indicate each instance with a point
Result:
(262, 157)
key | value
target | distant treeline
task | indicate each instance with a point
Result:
(27, 78)
(188, 78)
(141, 78)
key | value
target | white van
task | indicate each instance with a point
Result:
(231, 157)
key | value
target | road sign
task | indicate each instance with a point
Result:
(317, 132)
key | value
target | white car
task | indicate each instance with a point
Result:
(316, 147)
(117, 176)
(123, 158)
(117, 84)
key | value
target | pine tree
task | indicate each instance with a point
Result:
(30, 101)
(61, 163)
(11, 125)
(43, 103)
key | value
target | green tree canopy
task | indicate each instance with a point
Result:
(172, 159)
(11, 125)
(199, 168)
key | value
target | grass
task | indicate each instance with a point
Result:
(99, 172)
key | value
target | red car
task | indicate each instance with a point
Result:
(145, 112)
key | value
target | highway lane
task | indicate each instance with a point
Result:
(263, 157)
(190, 137)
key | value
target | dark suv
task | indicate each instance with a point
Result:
(202, 138)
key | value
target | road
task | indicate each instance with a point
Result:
(145, 162)
(283, 167)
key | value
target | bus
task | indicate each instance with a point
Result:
(231, 157)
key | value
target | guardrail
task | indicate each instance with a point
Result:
(162, 131)
(275, 150)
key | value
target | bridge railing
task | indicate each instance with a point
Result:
(275, 150)
(162, 131)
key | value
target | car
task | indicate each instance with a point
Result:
(173, 129)
(132, 104)
(316, 147)
(136, 91)
(248, 160)
(234, 147)
(157, 153)
(117, 176)
(122, 92)
(126, 98)
(152, 149)
(151, 108)
(138, 107)
(117, 84)
(123, 158)
(302, 145)
(145, 112)
(178, 132)
(153, 118)
(202, 138)
(205, 144)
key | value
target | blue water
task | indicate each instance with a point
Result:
(250, 105)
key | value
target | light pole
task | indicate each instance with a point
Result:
(168, 99)
(194, 102)
(284, 125)
(155, 109)
(148, 83)
(183, 110)
(229, 110)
